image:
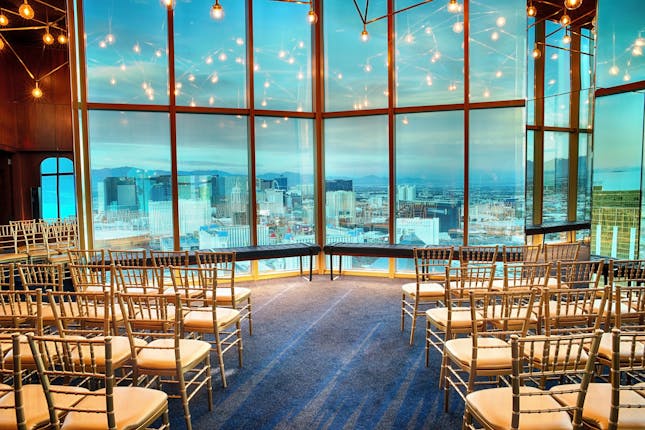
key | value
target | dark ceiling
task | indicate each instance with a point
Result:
(21, 31)
(553, 9)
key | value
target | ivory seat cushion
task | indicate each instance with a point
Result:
(159, 355)
(426, 289)
(202, 319)
(133, 407)
(597, 406)
(120, 352)
(12, 256)
(605, 349)
(460, 317)
(494, 354)
(223, 295)
(35, 405)
(539, 358)
(496, 404)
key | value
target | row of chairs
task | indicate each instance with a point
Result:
(37, 240)
(156, 339)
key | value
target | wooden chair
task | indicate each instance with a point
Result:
(140, 279)
(485, 356)
(9, 252)
(623, 273)
(60, 360)
(34, 236)
(128, 257)
(92, 277)
(203, 318)
(20, 312)
(445, 322)
(44, 276)
(429, 265)
(478, 254)
(521, 253)
(86, 256)
(7, 276)
(167, 358)
(617, 404)
(165, 259)
(561, 251)
(227, 293)
(525, 404)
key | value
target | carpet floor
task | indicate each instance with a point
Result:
(326, 355)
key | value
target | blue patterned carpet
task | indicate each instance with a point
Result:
(327, 355)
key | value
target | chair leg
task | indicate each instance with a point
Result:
(240, 345)
(414, 321)
(250, 315)
(209, 382)
(427, 343)
(467, 422)
(220, 360)
(184, 402)
(403, 312)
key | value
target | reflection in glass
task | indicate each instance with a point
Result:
(557, 79)
(126, 55)
(210, 64)
(556, 177)
(130, 180)
(57, 188)
(496, 173)
(213, 185)
(284, 185)
(356, 186)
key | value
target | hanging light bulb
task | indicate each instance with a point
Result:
(312, 18)
(453, 6)
(217, 11)
(565, 19)
(47, 37)
(365, 36)
(1, 44)
(536, 52)
(62, 38)
(26, 11)
(567, 37)
(531, 10)
(37, 92)
(572, 4)
(4, 21)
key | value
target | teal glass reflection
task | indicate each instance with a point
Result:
(556, 177)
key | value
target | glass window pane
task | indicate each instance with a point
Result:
(282, 55)
(556, 177)
(48, 197)
(618, 154)
(355, 70)
(557, 77)
(429, 55)
(130, 175)
(213, 183)
(356, 185)
(621, 42)
(496, 173)
(210, 55)
(126, 45)
(65, 165)
(584, 177)
(49, 166)
(497, 50)
(66, 196)
(284, 186)
(530, 184)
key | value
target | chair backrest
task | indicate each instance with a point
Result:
(460, 280)
(88, 362)
(561, 251)
(627, 373)
(92, 277)
(14, 374)
(521, 253)
(41, 275)
(629, 307)
(578, 351)
(128, 257)
(21, 311)
(169, 258)
(8, 239)
(86, 256)
(223, 261)
(526, 275)
(62, 234)
(34, 234)
(139, 279)
(573, 310)
(85, 314)
(194, 284)
(430, 262)
(7, 276)
(501, 314)
(578, 274)
(478, 254)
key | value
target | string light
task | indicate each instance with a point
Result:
(312, 18)
(37, 92)
(62, 39)
(217, 11)
(4, 21)
(567, 37)
(365, 36)
(572, 4)
(537, 53)
(565, 19)
(47, 37)
(26, 11)
(531, 10)
(1, 44)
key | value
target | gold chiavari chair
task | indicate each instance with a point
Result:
(140, 279)
(228, 294)
(128, 257)
(521, 253)
(478, 254)
(9, 252)
(203, 317)
(7, 276)
(86, 256)
(167, 358)
(428, 288)
(561, 251)
(88, 362)
(525, 404)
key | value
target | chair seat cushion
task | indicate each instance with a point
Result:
(202, 319)
(160, 354)
(460, 317)
(426, 290)
(595, 411)
(605, 349)
(492, 353)
(35, 404)
(570, 357)
(494, 407)
(13, 256)
(120, 352)
(133, 407)
(224, 295)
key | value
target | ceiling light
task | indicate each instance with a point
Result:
(565, 19)
(453, 6)
(572, 4)
(26, 11)
(217, 11)
(4, 21)
(531, 10)
(536, 52)
(1, 44)
(62, 39)
(47, 37)
(567, 37)
(312, 18)
(365, 36)
(37, 92)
